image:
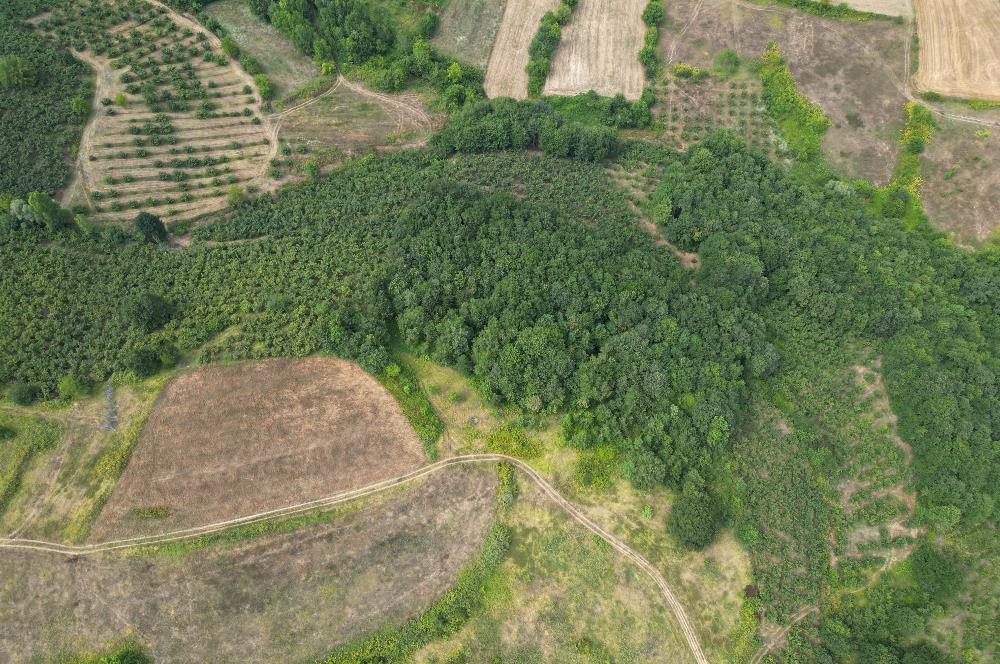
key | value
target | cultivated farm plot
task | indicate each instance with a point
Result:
(176, 124)
(599, 50)
(959, 47)
(291, 593)
(902, 8)
(233, 440)
(505, 75)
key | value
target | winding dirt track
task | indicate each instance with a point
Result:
(344, 496)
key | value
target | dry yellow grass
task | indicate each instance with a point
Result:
(959, 47)
(599, 50)
(505, 75)
(886, 7)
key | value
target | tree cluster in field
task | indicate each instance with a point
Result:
(544, 44)
(39, 86)
(365, 38)
(649, 55)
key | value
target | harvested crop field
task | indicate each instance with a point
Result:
(468, 29)
(599, 50)
(959, 47)
(885, 7)
(290, 596)
(505, 75)
(228, 441)
(854, 70)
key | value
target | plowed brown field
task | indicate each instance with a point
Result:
(959, 47)
(599, 50)
(227, 441)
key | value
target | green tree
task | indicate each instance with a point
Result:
(15, 71)
(146, 311)
(694, 519)
(23, 394)
(150, 227)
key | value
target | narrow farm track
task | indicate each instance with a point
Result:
(767, 648)
(668, 595)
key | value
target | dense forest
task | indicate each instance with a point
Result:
(504, 249)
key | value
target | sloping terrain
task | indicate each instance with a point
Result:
(228, 441)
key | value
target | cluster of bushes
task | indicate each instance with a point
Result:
(543, 46)
(649, 54)
(901, 199)
(618, 112)
(802, 123)
(508, 124)
(362, 37)
(249, 64)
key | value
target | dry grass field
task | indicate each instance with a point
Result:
(959, 47)
(232, 440)
(709, 583)
(289, 596)
(961, 187)
(468, 29)
(175, 124)
(854, 70)
(505, 75)
(599, 50)
(288, 68)
(886, 7)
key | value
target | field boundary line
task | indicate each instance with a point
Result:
(624, 549)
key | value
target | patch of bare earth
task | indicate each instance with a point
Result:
(599, 50)
(505, 75)
(961, 187)
(959, 47)
(854, 70)
(287, 597)
(228, 441)
(902, 8)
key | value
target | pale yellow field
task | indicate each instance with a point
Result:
(887, 7)
(505, 75)
(599, 50)
(959, 47)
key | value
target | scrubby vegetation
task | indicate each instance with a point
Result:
(21, 438)
(802, 123)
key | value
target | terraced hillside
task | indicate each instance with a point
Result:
(177, 127)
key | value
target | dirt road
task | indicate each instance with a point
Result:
(671, 600)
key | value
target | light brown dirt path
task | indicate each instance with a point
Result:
(959, 47)
(505, 75)
(778, 638)
(671, 600)
(600, 50)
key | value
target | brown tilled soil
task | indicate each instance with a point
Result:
(228, 441)
(279, 598)
(959, 47)
(505, 75)
(599, 50)
(854, 70)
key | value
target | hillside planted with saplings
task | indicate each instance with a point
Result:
(532, 273)
(45, 97)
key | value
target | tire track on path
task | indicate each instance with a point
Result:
(188, 533)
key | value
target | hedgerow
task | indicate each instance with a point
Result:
(544, 44)
(801, 122)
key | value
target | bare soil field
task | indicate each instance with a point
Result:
(468, 29)
(599, 50)
(505, 75)
(288, 67)
(959, 47)
(292, 596)
(854, 70)
(961, 188)
(228, 441)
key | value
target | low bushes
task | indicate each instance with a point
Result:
(802, 123)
